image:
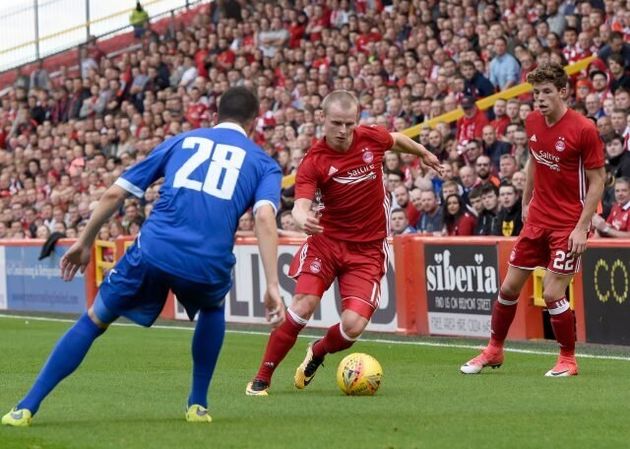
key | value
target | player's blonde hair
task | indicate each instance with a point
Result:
(549, 73)
(344, 98)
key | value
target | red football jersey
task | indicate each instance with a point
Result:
(349, 186)
(562, 153)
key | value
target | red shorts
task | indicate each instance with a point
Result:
(359, 266)
(538, 247)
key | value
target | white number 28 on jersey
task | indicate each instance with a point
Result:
(223, 172)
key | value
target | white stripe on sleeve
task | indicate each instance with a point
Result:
(262, 203)
(129, 187)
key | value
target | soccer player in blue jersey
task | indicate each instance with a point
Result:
(211, 177)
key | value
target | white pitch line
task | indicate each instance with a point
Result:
(371, 340)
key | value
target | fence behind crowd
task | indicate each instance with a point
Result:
(435, 286)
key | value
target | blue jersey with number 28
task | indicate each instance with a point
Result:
(211, 177)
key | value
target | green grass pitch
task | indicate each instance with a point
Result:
(131, 390)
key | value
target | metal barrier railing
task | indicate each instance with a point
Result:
(38, 46)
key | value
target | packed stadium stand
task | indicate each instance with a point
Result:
(65, 138)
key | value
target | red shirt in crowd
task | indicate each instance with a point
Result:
(413, 214)
(226, 58)
(469, 128)
(354, 203)
(296, 32)
(200, 62)
(464, 225)
(500, 124)
(578, 53)
(323, 22)
(194, 112)
(364, 39)
(619, 217)
(562, 152)
(321, 62)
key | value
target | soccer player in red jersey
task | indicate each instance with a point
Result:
(565, 181)
(343, 205)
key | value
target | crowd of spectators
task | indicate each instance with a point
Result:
(64, 139)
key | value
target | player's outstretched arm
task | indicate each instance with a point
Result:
(578, 237)
(267, 234)
(404, 144)
(78, 255)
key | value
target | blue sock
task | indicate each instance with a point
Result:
(64, 359)
(206, 345)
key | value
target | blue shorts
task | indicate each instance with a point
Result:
(136, 289)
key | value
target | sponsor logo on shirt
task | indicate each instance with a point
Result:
(332, 170)
(548, 159)
(533, 138)
(357, 175)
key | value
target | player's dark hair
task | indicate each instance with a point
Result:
(549, 73)
(238, 104)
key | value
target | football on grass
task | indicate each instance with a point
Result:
(359, 375)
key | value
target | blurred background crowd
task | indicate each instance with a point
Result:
(66, 133)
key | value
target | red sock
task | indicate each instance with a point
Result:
(333, 341)
(563, 324)
(280, 343)
(502, 316)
